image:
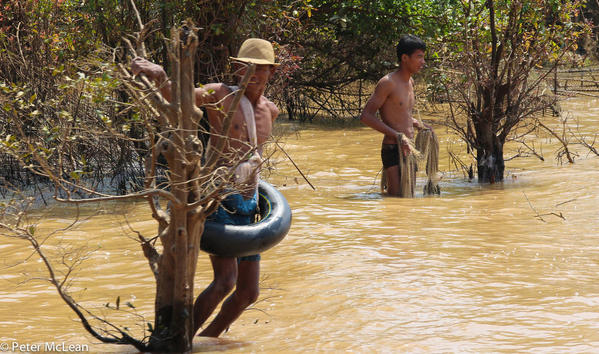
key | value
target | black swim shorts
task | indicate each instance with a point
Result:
(390, 155)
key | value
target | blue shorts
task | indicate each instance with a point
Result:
(236, 210)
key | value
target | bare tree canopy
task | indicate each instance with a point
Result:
(497, 67)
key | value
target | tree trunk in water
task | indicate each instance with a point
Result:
(489, 151)
(490, 162)
(173, 324)
(290, 110)
(290, 104)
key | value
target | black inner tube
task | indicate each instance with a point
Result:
(245, 240)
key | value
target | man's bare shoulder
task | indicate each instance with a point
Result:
(212, 92)
(386, 83)
(398, 82)
(265, 101)
(386, 80)
(396, 77)
(270, 106)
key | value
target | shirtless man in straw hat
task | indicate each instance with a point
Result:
(393, 98)
(240, 273)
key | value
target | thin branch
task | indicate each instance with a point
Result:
(59, 286)
(560, 139)
(540, 216)
(143, 194)
(567, 201)
(294, 164)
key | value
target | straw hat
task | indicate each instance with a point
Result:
(256, 51)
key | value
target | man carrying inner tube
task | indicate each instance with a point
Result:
(393, 98)
(251, 127)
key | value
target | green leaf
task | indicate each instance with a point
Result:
(64, 114)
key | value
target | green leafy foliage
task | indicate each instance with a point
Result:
(339, 44)
(52, 78)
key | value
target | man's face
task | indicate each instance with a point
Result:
(415, 62)
(260, 78)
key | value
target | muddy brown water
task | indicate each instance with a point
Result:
(471, 271)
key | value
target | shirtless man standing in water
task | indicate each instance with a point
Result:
(394, 99)
(229, 272)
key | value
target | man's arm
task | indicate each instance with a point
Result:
(212, 97)
(274, 111)
(419, 125)
(210, 94)
(155, 73)
(415, 122)
(375, 102)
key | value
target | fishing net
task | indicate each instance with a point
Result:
(407, 174)
(428, 144)
(407, 169)
(425, 148)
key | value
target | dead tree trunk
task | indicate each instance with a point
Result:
(181, 238)
(192, 189)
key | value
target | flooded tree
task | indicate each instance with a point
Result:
(188, 189)
(498, 63)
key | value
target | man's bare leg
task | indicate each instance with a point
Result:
(225, 276)
(246, 293)
(393, 180)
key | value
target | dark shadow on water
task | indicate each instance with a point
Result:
(200, 345)
(457, 186)
(451, 186)
(362, 196)
(206, 344)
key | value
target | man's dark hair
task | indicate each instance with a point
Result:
(408, 44)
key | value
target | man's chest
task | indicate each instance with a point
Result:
(262, 120)
(403, 96)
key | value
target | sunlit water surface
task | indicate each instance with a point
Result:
(510, 267)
